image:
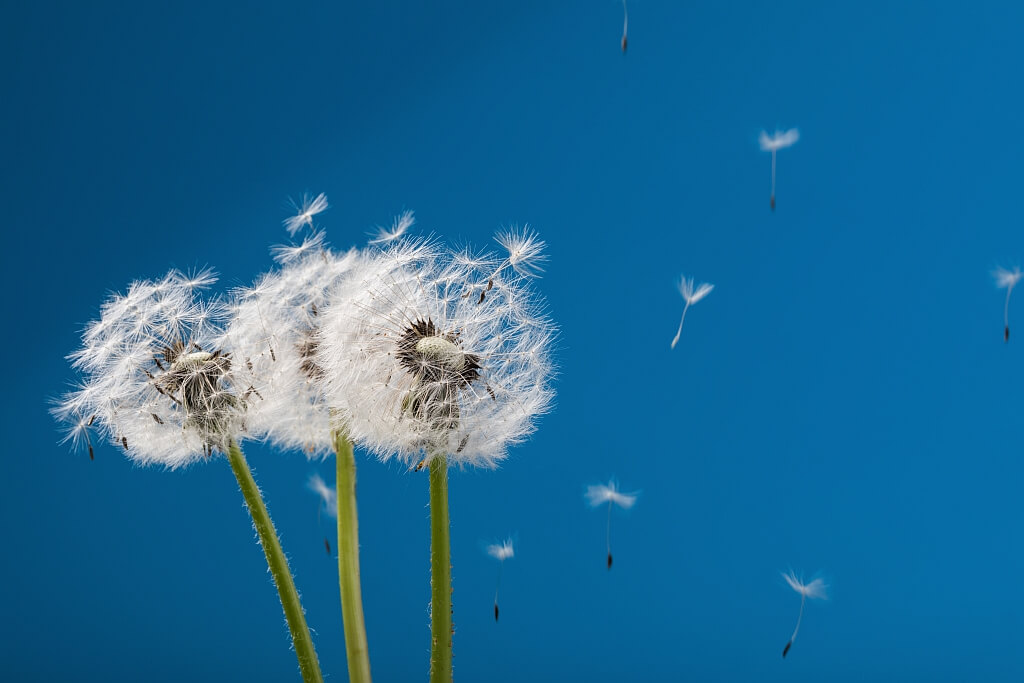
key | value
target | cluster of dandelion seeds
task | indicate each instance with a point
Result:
(154, 379)
(428, 352)
(272, 333)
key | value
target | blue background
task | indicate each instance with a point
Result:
(843, 401)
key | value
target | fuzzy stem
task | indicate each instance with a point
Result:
(356, 648)
(278, 564)
(440, 574)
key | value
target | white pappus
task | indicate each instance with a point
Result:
(272, 335)
(154, 379)
(428, 353)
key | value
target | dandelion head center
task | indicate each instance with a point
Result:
(194, 380)
(442, 352)
(436, 357)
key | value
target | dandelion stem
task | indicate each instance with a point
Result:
(440, 574)
(773, 178)
(278, 564)
(356, 648)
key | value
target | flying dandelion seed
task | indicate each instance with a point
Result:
(398, 229)
(304, 212)
(773, 143)
(1006, 279)
(328, 496)
(328, 501)
(599, 494)
(692, 294)
(625, 25)
(501, 552)
(816, 590)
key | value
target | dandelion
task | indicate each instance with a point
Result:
(398, 229)
(816, 590)
(501, 552)
(304, 212)
(273, 331)
(773, 143)
(156, 384)
(437, 358)
(692, 294)
(1008, 279)
(599, 494)
(429, 355)
(625, 25)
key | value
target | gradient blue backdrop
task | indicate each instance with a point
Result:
(843, 401)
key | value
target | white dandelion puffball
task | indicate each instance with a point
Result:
(428, 353)
(271, 334)
(154, 380)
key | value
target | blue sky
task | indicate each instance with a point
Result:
(843, 401)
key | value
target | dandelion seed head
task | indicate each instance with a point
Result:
(778, 140)
(599, 494)
(501, 551)
(153, 380)
(272, 334)
(304, 212)
(420, 359)
(817, 589)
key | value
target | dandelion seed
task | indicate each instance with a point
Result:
(305, 211)
(692, 294)
(526, 257)
(1007, 279)
(625, 25)
(501, 552)
(599, 494)
(816, 590)
(398, 229)
(773, 143)
(328, 501)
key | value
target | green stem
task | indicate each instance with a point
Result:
(348, 563)
(278, 563)
(440, 574)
